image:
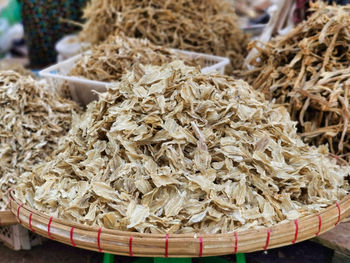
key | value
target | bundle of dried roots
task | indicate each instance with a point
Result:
(32, 120)
(309, 70)
(170, 149)
(110, 60)
(205, 26)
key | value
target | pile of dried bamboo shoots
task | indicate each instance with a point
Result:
(32, 120)
(204, 26)
(169, 149)
(308, 70)
(110, 60)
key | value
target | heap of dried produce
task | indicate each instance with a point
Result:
(32, 120)
(170, 149)
(6, 65)
(110, 60)
(205, 26)
(309, 70)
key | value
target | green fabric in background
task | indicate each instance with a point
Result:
(12, 13)
(43, 26)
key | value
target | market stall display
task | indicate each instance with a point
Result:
(308, 71)
(32, 120)
(168, 156)
(172, 154)
(204, 26)
(172, 150)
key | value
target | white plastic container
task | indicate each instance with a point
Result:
(82, 90)
(70, 46)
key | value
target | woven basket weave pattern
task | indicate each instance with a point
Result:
(180, 245)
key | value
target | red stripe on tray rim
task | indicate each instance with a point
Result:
(19, 207)
(30, 222)
(49, 227)
(319, 225)
(296, 231)
(236, 243)
(130, 247)
(200, 247)
(71, 237)
(166, 245)
(267, 239)
(99, 239)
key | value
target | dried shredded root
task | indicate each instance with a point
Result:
(170, 149)
(32, 120)
(6, 65)
(110, 60)
(205, 26)
(309, 71)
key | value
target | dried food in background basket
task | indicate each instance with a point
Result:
(169, 149)
(32, 120)
(309, 70)
(203, 26)
(18, 67)
(110, 60)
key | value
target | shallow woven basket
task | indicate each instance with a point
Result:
(7, 218)
(179, 245)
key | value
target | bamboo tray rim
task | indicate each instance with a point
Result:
(179, 245)
(7, 218)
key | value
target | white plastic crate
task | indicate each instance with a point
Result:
(17, 237)
(81, 89)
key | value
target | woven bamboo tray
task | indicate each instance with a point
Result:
(7, 218)
(179, 245)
